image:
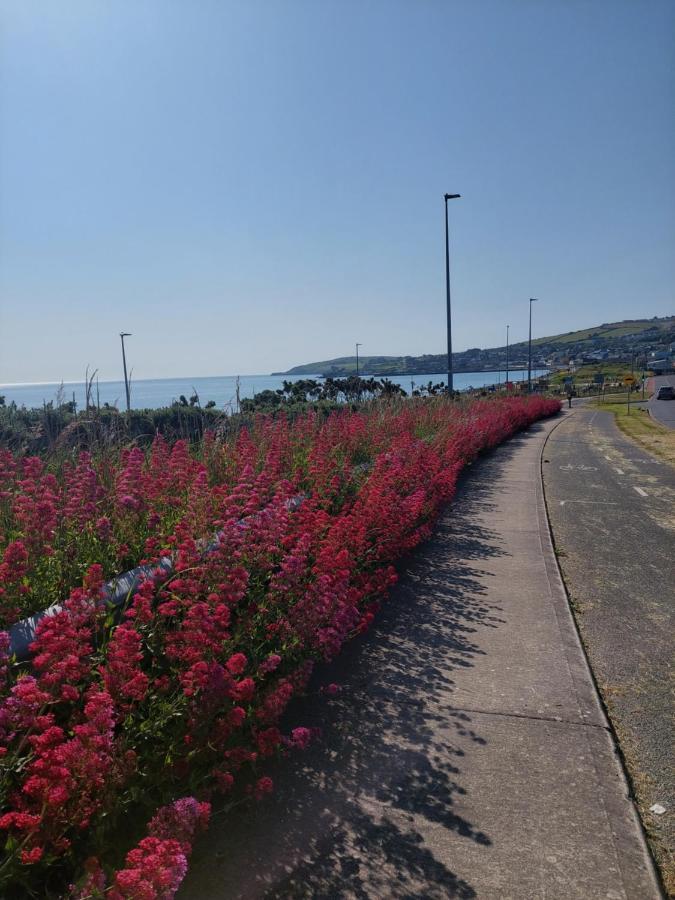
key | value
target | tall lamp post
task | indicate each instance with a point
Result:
(529, 350)
(644, 363)
(357, 359)
(124, 334)
(447, 197)
(506, 381)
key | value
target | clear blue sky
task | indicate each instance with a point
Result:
(250, 185)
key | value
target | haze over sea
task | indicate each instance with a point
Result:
(156, 392)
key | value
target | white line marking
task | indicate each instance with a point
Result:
(608, 458)
(619, 471)
(640, 491)
(599, 502)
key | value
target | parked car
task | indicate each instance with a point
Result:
(665, 392)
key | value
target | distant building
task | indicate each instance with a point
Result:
(661, 364)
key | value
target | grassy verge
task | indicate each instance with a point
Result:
(584, 374)
(639, 425)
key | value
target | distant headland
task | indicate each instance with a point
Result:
(607, 342)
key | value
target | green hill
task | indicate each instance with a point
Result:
(610, 341)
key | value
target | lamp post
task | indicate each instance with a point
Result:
(357, 359)
(529, 350)
(644, 363)
(506, 381)
(446, 197)
(124, 334)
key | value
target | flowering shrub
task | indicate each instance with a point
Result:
(142, 719)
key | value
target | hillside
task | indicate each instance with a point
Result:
(609, 341)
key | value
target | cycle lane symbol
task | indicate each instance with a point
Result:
(582, 468)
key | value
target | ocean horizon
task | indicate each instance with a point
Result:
(152, 393)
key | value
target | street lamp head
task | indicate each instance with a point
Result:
(534, 299)
(452, 196)
(125, 334)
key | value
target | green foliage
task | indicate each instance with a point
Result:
(584, 374)
(60, 428)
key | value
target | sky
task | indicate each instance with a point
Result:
(247, 186)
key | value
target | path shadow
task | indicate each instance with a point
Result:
(363, 811)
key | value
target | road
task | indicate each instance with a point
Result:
(612, 511)
(663, 410)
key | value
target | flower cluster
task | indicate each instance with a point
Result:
(142, 718)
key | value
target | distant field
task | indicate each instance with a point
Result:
(610, 331)
(611, 371)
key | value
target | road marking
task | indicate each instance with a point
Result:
(619, 471)
(599, 502)
(608, 458)
(640, 491)
(582, 468)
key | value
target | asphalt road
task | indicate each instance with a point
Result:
(663, 410)
(612, 511)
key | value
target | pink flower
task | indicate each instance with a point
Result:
(225, 781)
(244, 690)
(264, 785)
(304, 520)
(154, 871)
(122, 674)
(93, 883)
(236, 664)
(180, 820)
(270, 664)
(268, 740)
(301, 737)
(236, 716)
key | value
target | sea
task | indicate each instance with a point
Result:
(153, 393)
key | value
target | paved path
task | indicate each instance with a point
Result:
(612, 509)
(468, 755)
(662, 410)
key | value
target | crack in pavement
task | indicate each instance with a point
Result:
(558, 720)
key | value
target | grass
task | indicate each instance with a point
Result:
(584, 374)
(620, 398)
(643, 786)
(639, 425)
(614, 330)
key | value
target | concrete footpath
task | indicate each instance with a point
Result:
(467, 755)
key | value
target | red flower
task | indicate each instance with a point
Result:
(244, 690)
(28, 857)
(301, 737)
(236, 664)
